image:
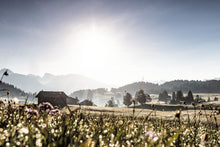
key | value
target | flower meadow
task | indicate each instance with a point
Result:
(45, 125)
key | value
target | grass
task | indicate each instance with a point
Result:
(76, 126)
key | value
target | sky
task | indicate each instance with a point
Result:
(113, 41)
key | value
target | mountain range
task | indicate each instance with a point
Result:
(74, 83)
(67, 83)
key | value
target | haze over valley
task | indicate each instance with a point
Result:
(86, 88)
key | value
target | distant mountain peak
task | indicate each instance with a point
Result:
(67, 83)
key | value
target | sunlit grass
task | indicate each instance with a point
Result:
(49, 127)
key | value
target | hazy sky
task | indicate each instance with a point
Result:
(113, 41)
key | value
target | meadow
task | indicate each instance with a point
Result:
(45, 125)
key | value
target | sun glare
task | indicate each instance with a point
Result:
(96, 45)
(94, 51)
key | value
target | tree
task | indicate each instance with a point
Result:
(208, 99)
(197, 98)
(179, 95)
(163, 96)
(110, 103)
(127, 99)
(173, 100)
(190, 97)
(141, 97)
(173, 96)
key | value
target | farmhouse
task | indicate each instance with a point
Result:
(56, 98)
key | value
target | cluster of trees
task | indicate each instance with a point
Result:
(178, 97)
(211, 86)
(140, 97)
(164, 96)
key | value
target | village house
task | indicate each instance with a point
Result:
(56, 98)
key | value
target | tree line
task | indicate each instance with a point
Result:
(211, 86)
(11, 91)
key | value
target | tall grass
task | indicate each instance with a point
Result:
(19, 127)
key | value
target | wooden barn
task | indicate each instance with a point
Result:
(56, 98)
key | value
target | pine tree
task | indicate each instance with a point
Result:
(179, 95)
(190, 97)
(127, 99)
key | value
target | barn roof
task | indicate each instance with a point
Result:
(86, 102)
(52, 94)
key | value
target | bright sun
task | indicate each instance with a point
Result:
(93, 50)
(96, 45)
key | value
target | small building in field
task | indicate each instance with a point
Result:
(56, 98)
(72, 101)
(87, 103)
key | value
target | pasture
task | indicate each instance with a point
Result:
(44, 125)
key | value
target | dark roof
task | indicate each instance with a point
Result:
(71, 101)
(51, 94)
(86, 102)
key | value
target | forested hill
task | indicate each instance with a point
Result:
(13, 91)
(134, 87)
(211, 86)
